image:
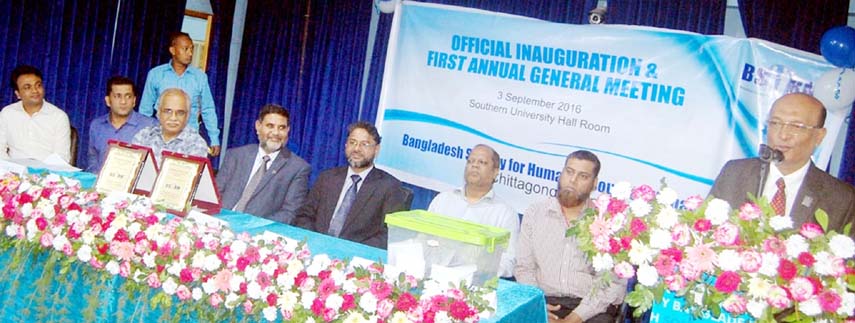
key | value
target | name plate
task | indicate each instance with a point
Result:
(177, 181)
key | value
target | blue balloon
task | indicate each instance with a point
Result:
(838, 46)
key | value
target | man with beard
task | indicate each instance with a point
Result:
(554, 263)
(172, 133)
(794, 186)
(121, 123)
(265, 179)
(32, 127)
(477, 202)
(351, 202)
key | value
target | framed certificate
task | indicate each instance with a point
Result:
(177, 181)
(122, 167)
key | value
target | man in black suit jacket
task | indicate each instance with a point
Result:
(281, 188)
(795, 127)
(376, 193)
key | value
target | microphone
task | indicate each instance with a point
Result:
(769, 154)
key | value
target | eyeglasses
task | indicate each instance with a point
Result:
(790, 128)
(360, 144)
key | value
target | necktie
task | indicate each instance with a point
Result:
(340, 215)
(253, 183)
(779, 201)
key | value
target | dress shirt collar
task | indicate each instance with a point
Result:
(794, 180)
(261, 153)
(45, 109)
(461, 192)
(183, 135)
(362, 174)
(134, 119)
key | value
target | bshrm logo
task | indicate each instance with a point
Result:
(777, 79)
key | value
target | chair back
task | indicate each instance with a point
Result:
(408, 197)
(74, 139)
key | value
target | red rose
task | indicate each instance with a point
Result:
(616, 206)
(805, 258)
(348, 303)
(318, 307)
(186, 276)
(41, 223)
(674, 253)
(460, 311)
(702, 225)
(636, 227)
(121, 236)
(406, 302)
(727, 282)
(787, 270)
(242, 262)
(614, 246)
(271, 299)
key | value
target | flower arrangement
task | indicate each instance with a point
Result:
(744, 260)
(212, 272)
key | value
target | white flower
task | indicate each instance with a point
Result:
(824, 264)
(639, 253)
(319, 262)
(110, 232)
(355, 318)
(440, 317)
(349, 286)
(231, 300)
(269, 267)
(667, 217)
(212, 263)
(295, 266)
(60, 242)
(253, 290)
(169, 286)
(640, 208)
(270, 313)
(779, 222)
(138, 276)
(729, 260)
(756, 308)
(285, 280)
(310, 320)
(148, 259)
(238, 247)
(133, 229)
(209, 287)
(622, 190)
(197, 293)
(112, 267)
(603, 262)
(399, 317)
(810, 307)
(758, 288)
(234, 283)
(842, 246)
(11, 230)
(769, 267)
(717, 211)
(368, 303)
(647, 275)
(334, 302)
(307, 299)
(175, 268)
(660, 239)
(252, 271)
(847, 304)
(288, 299)
(796, 244)
(667, 196)
(84, 254)
(88, 237)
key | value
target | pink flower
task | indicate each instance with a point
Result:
(749, 211)
(247, 306)
(702, 225)
(778, 297)
(46, 240)
(326, 287)
(460, 311)
(811, 230)
(689, 270)
(702, 256)
(624, 270)
(95, 263)
(751, 261)
(806, 259)
(186, 275)
(406, 302)
(801, 289)
(681, 235)
(786, 269)
(348, 302)
(829, 301)
(637, 226)
(153, 280)
(384, 308)
(693, 202)
(616, 206)
(726, 234)
(735, 304)
(380, 289)
(775, 246)
(318, 306)
(183, 293)
(643, 192)
(664, 265)
(675, 282)
(727, 282)
(125, 269)
(222, 280)
(216, 300)
(599, 227)
(122, 250)
(41, 223)
(838, 267)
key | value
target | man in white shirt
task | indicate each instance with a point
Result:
(32, 127)
(477, 202)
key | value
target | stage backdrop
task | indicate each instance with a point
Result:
(653, 104)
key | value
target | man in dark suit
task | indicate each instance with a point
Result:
(265, 179)
(794, 186)
(351, 202)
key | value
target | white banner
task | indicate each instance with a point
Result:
(653, 104)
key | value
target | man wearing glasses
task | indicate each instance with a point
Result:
(351, 202)
(794, 186)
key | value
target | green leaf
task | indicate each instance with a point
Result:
(822, 219)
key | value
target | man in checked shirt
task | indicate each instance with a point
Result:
(554, 263)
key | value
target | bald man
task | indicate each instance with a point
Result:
(795, 127)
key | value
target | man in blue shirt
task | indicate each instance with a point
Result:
(121, 123)
(178, 73)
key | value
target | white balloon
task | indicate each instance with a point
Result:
(836, 88)
(386, 6)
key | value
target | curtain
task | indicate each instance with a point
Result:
(700, 16)
(69, 41)
(847, 167)
(219, 47)
(792, 23)
(142, 36)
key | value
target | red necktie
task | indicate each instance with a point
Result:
(779, 201)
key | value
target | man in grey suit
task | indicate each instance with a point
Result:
(351, 202)
(265, 179)
(795, 127)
